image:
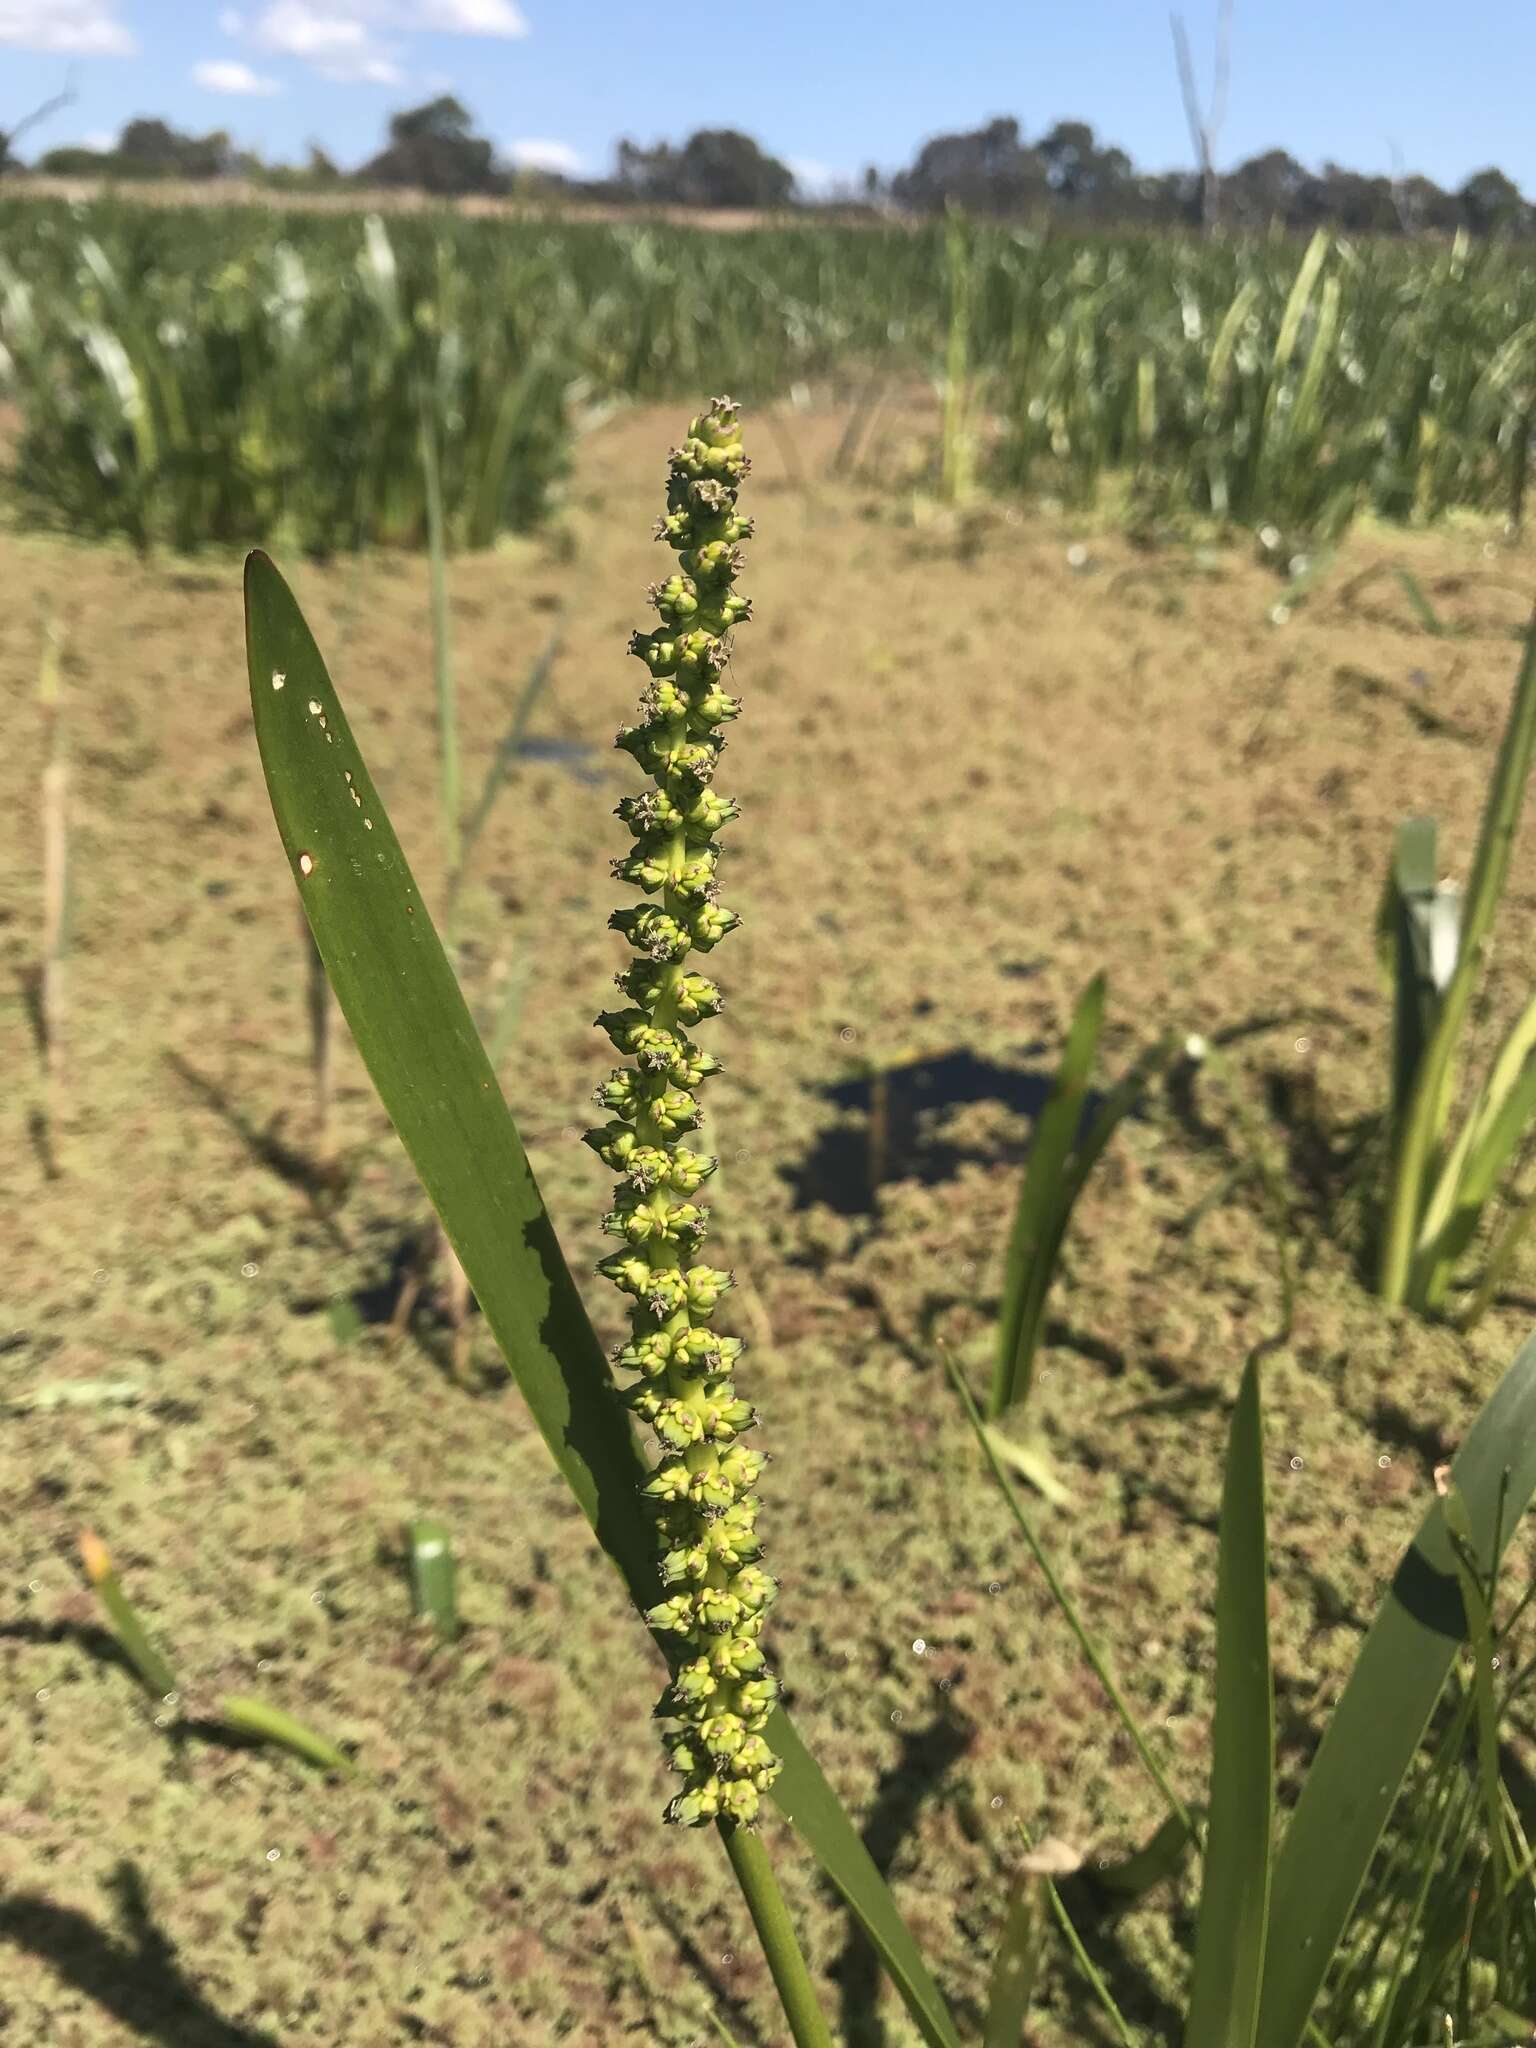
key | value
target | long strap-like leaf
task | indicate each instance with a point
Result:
(1029, 1243)
(419, 1043)
(1385, 1708)
(1234, 1898)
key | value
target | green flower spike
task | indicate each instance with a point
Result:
(722, 1692)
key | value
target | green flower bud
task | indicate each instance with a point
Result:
(755, 1698)
(756, 1762)
(710, 924)
(741, 1467)
(737, 1799)
(701, 1486)
(735, 1657)
(722, 1735)
(693, 995)
(694, 1682)
(675, 1615)
(704, 1287)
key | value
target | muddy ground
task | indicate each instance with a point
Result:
(975, 771)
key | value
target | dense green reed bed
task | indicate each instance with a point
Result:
(239, 374)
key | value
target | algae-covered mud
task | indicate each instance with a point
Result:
(986, 757)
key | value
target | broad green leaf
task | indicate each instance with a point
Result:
(1017, 1965)
(1380, 1720)
(1234, 1896)
(419, 1043)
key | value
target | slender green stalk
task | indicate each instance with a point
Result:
(770, 1916)
(1084, 1961)
(1069, 1613)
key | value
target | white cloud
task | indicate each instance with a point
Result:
(224, 75)
(66, 28)
(463, 17)
(334, 39)
(532, 154)
(815, 179)
(351, 39)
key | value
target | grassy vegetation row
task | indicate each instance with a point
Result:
(237, 375)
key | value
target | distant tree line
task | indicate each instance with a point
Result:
(1065, 175)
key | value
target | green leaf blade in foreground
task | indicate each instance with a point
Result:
(419, 1044)
(1380, 1720)
(1234, 1897)
(1038, 1220)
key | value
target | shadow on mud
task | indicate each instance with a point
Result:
(135, 1976)
(891, 1126)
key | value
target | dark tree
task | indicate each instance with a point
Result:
(1080, 174)
(986, 170)
(714, 167)
(1268, 188)
(1491, 204)
(433, 148)
(153, 149)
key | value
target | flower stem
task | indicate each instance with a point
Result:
(770, 1916)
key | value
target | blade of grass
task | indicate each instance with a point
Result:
(1380, 1720)
(1038, 1217)
(1234, 1897)
(419, 1044)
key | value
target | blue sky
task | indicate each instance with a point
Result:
(827, 84)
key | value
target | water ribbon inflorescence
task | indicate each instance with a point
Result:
(722, 1691)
